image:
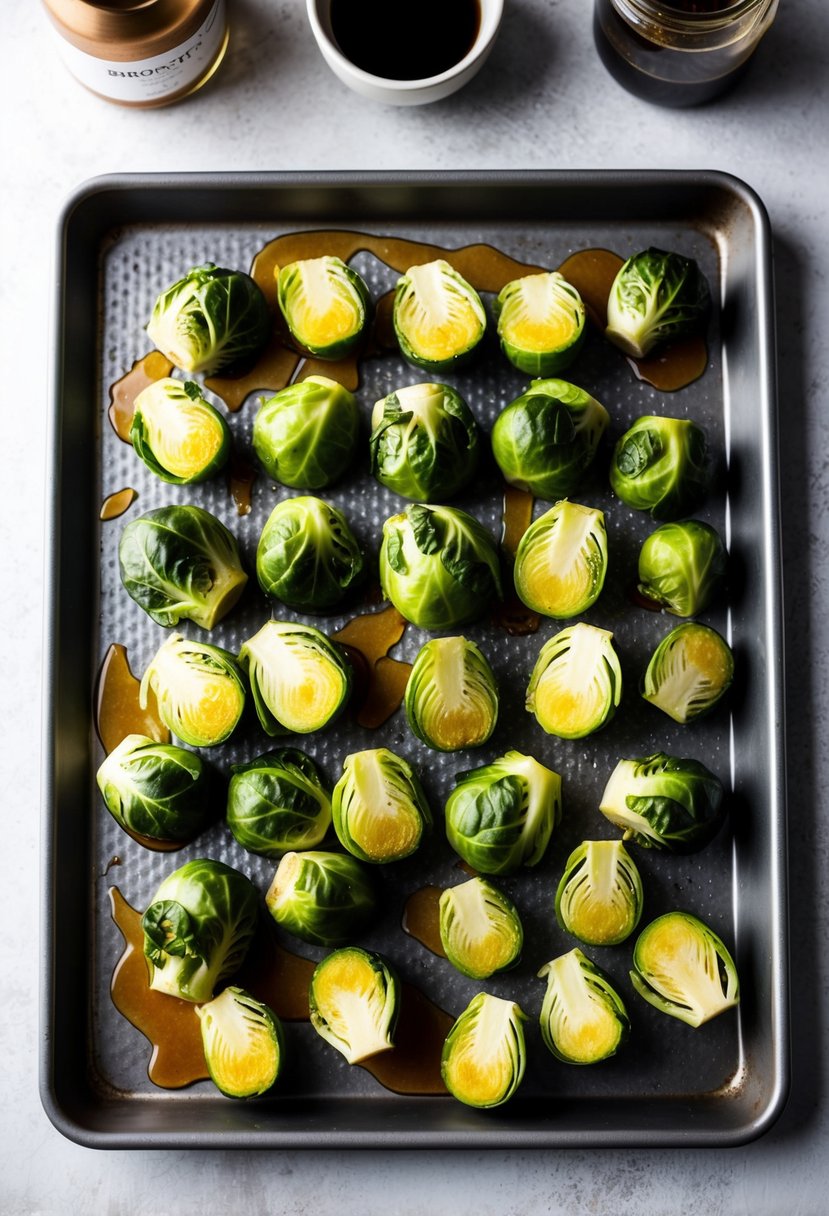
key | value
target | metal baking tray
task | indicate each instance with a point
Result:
(120, 240)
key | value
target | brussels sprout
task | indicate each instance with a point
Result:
(156, 790)
(199, 688)
(682, 967)
(599, 898)
(484, 1055)
(424, 442)
(502, 815)
(540, 322)
(243, 1043)
(689, 672)
(660, 465)
(179, 436)
(306, 435)
(213, 320)
(324, 898)
(355, 1002)
(664, 802)
(438, 317)
(326, 306)
(379, 806)
(656, 296)
(451, 697)
(682, 566)
(299, 678)
(576, 683)
(546, 439)
(307, 555)
(438, 566)
(561, 560)
(181, 563)
(198, 928)
(277, 802)
(583, 1018)
(480, 929)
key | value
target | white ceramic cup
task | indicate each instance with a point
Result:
(405, 92)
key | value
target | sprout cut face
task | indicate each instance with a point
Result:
(502, 815)
(660, 465)
(355, 1002)
(484, 1055)
(681, 967)
(199, 688)
(438, 317)
(277, 803)
(689, 672)
(480, 929)
(307, 434)
(656, 295)
(576, 683)
(451, 697)
(599, 898)
(243, 1043)
(379, 806)
(664, 802)
(179, 436)
(561, 560)
(424, 442)
(307, 555)
(327, 899)
(157, 790)
(545, 440)
(541, 320)
(326, 306)
(299, 678)
(682, 566)
(583, 1018)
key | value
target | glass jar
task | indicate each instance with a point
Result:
(681, 53)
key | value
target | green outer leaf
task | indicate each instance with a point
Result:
(409, 299)
(380, 1007)
(157, 790)
(522, 295)
(307, 434)
(433, 689)
(277, 803)
(599, 875)
(656, 295)
(574, 979)
(232, 1016)
(376, 780)
(176, 391)
(492, 1028)
(682, 566)
(473, 910)
(711, 986)
(307, 555)
(664, 802)
(680, 682)
(301, 278)
(660, 465)
(424, 442)
(323, 898)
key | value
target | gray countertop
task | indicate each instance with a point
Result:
(543, 101)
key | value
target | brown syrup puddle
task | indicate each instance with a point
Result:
(117, 711)
(380, 681)
(511, 613)
(240, 478)
(421, 918)
(114, 505)
(144, 372)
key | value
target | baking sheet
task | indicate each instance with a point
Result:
(124, 239)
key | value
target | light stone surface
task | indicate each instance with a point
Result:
(542, 101)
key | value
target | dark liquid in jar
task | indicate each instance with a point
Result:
(404, 42)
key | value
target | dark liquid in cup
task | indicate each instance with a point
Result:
(405, 42)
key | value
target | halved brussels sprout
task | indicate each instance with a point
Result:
(541, 321)
(199, 688)
(299, 678)
(660, 465)
(561, 560)
(480, 929)
(307, 434)
(484, 1055)
(689, 672)
(212, 320)
(599, 898)
(243, 1043)
(502, 815)
(157, 790)
(656, 295)
(307, 555)
(664, 802)
(682, 968)
(179, 436)
(326, 305)
(181, 563)
(277, 802)
(576, 683)
(438, 317)
(438, 566)
(451, 697)
(355, 1002)
(198, 928)
(379, 806)
(545, 440)
(682, 566)
(424, 442)
(583, 1018)
(324, 898)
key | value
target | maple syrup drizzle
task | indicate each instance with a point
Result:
(421, 918)
(144, 372)
(380, 681)
(240, 478)
(511, 613)
(116, 504)
(117, 711)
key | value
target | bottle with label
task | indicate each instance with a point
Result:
(140, 53)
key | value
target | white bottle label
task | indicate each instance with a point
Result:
(150, 79)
